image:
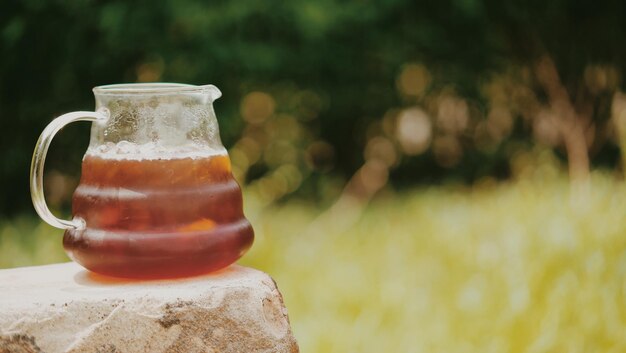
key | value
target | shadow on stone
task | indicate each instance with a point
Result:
(88, 278)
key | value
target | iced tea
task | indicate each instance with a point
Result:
(156, 218)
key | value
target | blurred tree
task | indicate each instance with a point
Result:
(361, 79)
(574, 54)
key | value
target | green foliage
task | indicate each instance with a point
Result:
(348, 53)
(519, 267)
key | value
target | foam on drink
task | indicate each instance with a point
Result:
(152, 150)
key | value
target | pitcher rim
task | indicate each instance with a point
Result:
(151, 88)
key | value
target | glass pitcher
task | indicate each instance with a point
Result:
(156, 197)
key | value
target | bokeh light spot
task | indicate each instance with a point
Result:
(414, 131)
(413, 80)
(256, 107)
(380, 148)
(320, 156)
(452, 114)
(447, 150)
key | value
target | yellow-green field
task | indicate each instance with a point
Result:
(518, 267)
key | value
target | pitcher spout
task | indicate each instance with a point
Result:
(212, 92)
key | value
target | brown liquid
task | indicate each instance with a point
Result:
(158, 218)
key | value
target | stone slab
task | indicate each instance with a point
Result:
(64, 308)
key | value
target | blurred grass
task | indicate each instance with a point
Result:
(516, 267)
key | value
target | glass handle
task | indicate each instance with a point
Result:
(39, 158)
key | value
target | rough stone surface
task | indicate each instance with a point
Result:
(64, 308)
